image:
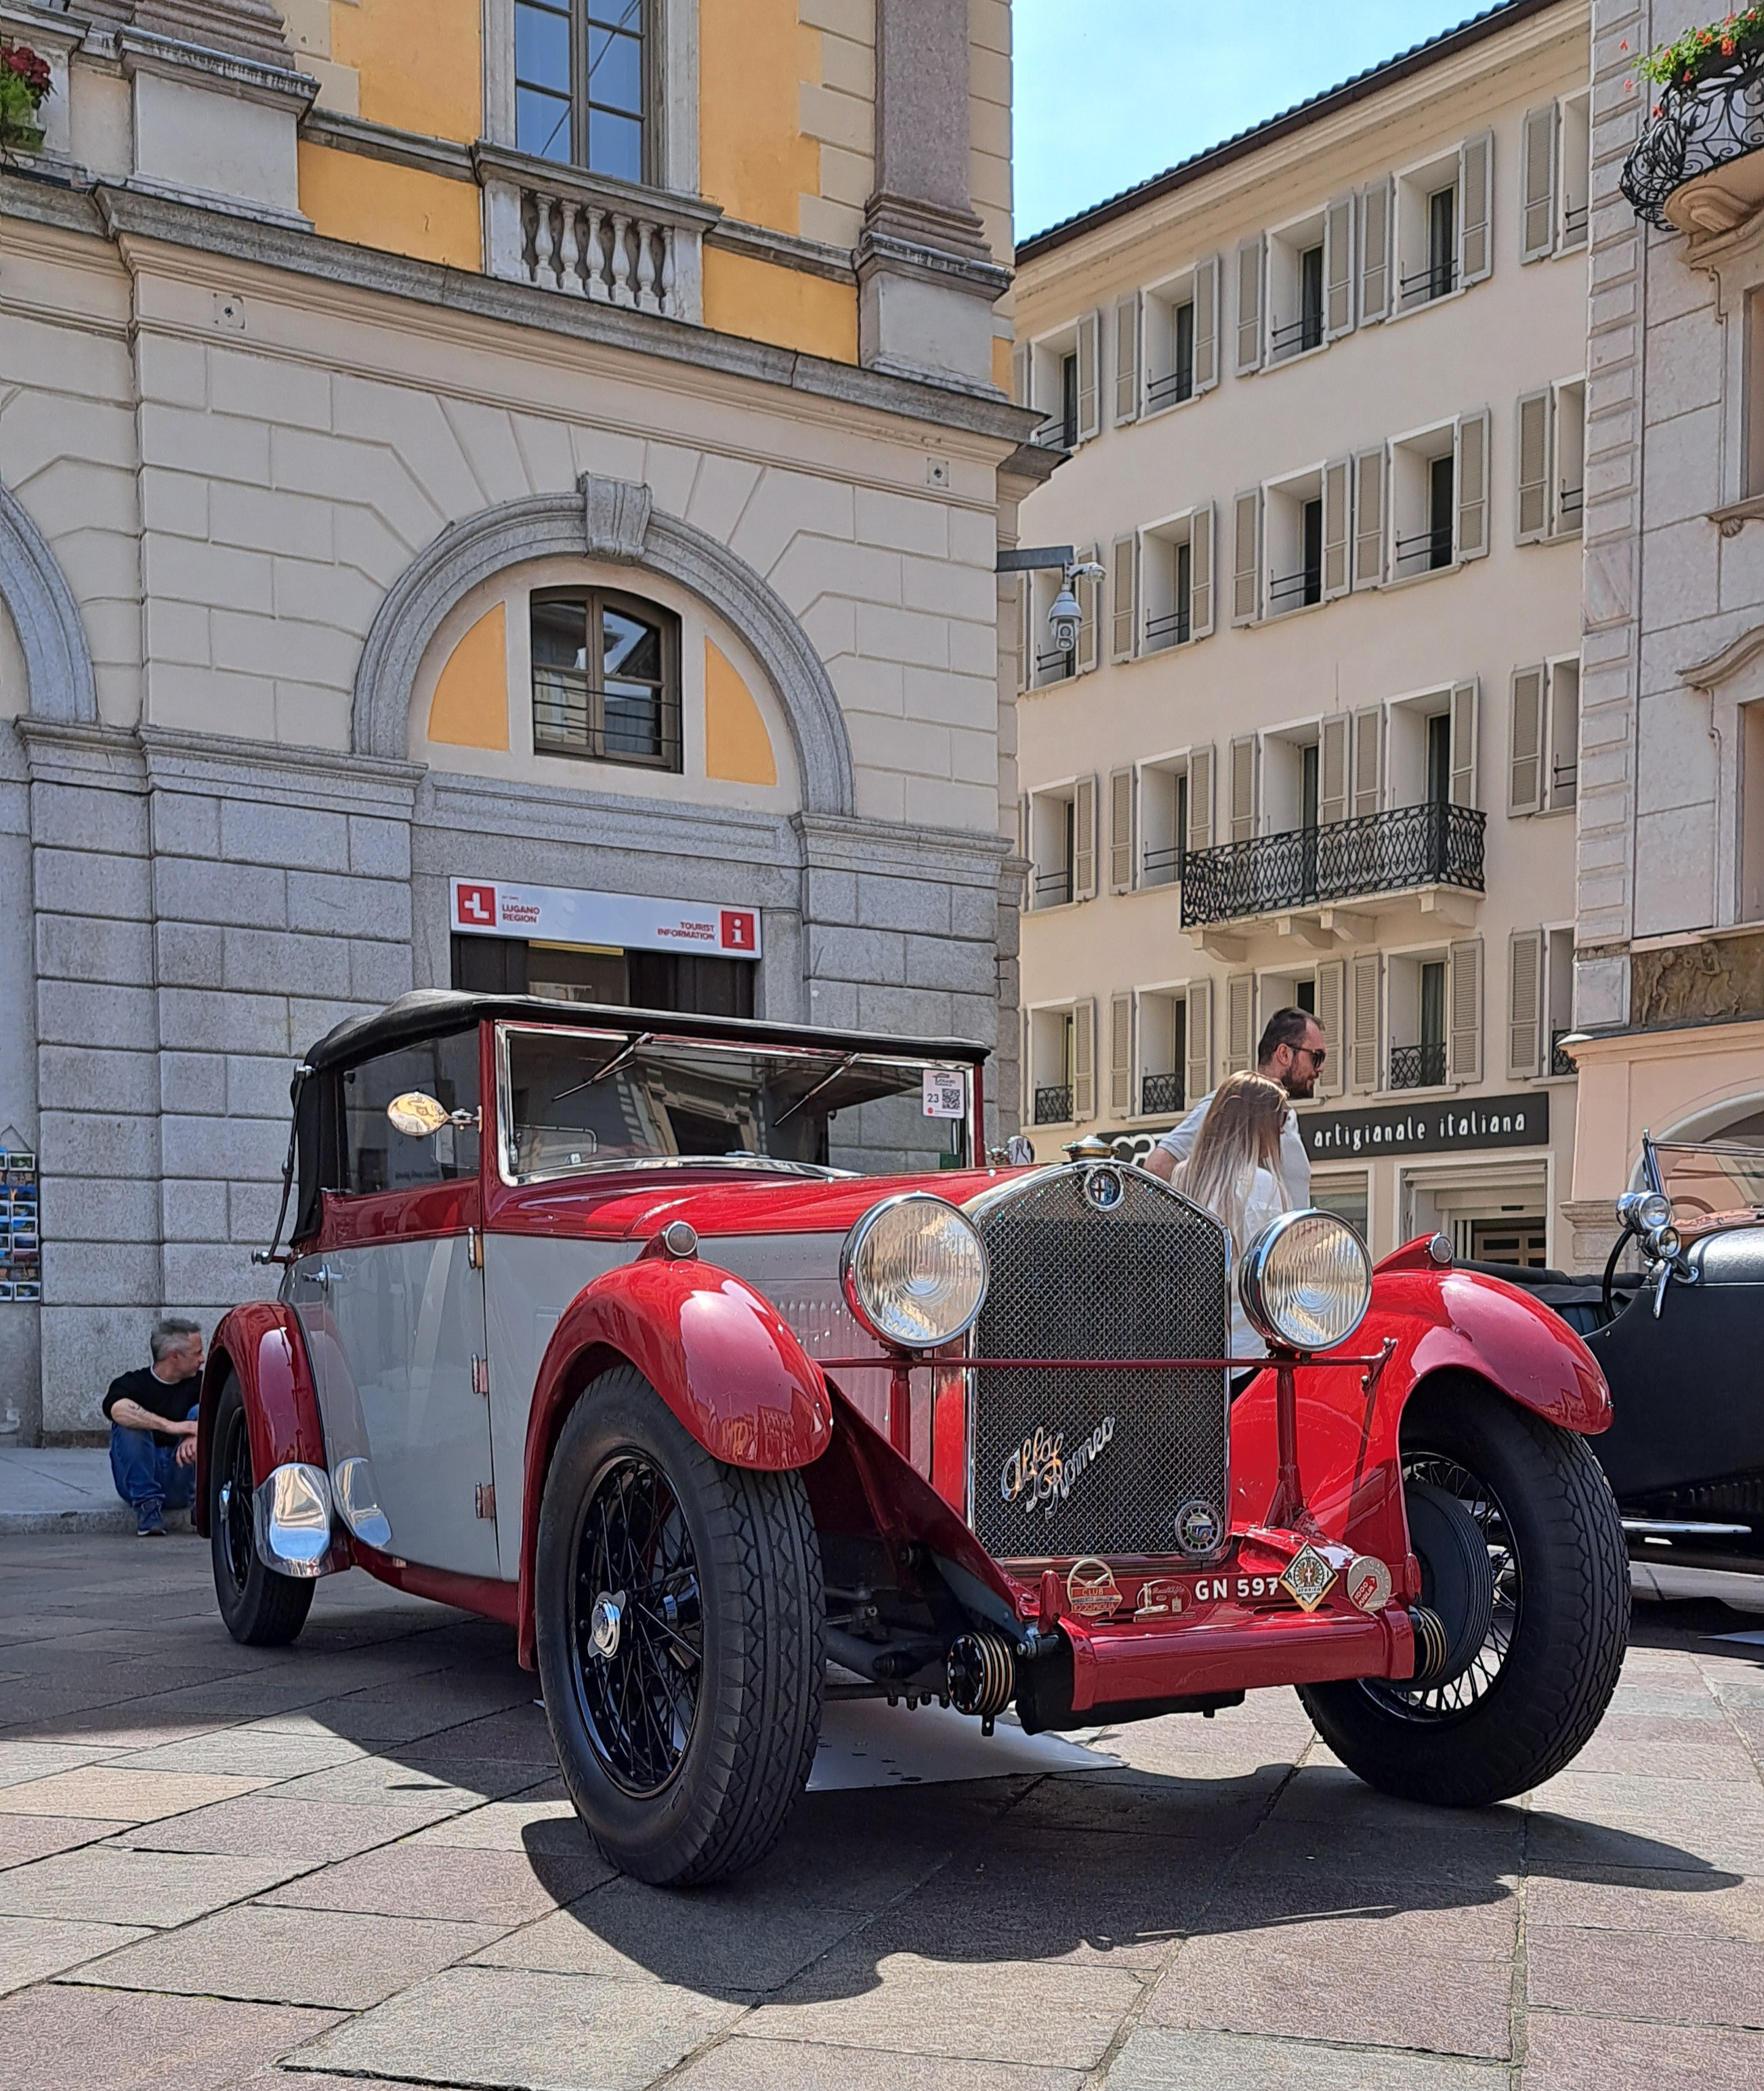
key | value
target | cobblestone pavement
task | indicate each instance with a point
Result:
(350, 1860)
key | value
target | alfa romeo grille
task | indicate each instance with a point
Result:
(1098, 1261)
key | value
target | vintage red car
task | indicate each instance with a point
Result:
(705, 1352)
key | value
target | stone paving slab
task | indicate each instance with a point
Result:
(350, 1860)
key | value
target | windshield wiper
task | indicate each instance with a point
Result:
(623, 1059)
(808, 1096)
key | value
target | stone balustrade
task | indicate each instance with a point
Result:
(607, 242)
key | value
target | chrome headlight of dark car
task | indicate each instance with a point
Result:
(1645, 1212)
(914, 1271)
(1306, 1282)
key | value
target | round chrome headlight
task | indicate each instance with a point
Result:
(1306, 1282)
(1647, 1211)
(914, 1271)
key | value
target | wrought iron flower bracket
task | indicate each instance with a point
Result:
(1696, 129)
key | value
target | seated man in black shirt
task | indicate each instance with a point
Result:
(153, 1416)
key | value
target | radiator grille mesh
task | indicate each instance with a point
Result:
(1147, 1277)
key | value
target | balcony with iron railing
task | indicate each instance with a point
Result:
(1053, 1104)
(1693, 169)
(1158, 1093)
(1561, 1063)
(1172, 388)
(1420, 1066)
(1424, 552)
(1171, 630)
(1052, 889)
(1409, 849)
(1438, 279)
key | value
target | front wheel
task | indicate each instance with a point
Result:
(1536, 1643)
(679, 1618)
(261, 1609)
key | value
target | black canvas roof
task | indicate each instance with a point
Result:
(435, 1012)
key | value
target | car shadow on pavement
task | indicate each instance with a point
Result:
(1075, 1869)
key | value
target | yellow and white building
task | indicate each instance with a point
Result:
(454, 449)
(1324, 389)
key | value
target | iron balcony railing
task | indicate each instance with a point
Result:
(1297, 335)
(1560, 1062)
(1161, 1092)
(1411, 845)
(1697, 126)
(1053, 889)
(1161, 866)
(1426, 551)
(1420, 1066)
(1172, 387)
(1438, 279)
(1292, 591)
(1057, 667)
(1053, 1106)
(1171, 631)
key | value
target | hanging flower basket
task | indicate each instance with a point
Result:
(24, 87)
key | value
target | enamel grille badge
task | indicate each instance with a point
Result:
(1369, 1583)
(1197, 1527)
(1308, 1577)
(1104, 1189)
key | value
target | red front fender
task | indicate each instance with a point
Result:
(1349, 1443)
(712, 1347)
(260, 1346)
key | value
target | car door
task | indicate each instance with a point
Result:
(391, 1302)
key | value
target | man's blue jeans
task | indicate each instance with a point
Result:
(147, 1474)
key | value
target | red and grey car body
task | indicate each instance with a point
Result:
(1101, 1538)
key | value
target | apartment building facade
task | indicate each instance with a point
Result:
(1317, 741)
(496, 493)
(1669, 1002)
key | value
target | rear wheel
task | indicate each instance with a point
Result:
(1536, 1636)
(260, 1608)
(679, 1617)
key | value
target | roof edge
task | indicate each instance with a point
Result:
(1359, 88)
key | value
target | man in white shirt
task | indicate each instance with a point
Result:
(1291, 1053)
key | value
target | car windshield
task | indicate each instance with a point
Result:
(574, 1101)
(1709, 1178)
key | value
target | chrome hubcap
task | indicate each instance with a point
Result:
(604, 1623)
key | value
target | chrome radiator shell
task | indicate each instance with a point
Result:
(1099, 1260)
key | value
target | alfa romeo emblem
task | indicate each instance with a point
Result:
(1369, 1583)
(1308, 1577)
(1091, 1590)
(1197, 1527)
(1104, 1189)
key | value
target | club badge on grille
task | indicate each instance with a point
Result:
(1308, 1577)
(1091, 1590)
(1369, 1583)
(1197, 1527)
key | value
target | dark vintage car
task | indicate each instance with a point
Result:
(706, 1353)
(1675, 1324)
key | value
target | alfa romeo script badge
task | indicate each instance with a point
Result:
(1369, 1583)
(1091, 1590)
(1197, 1527)
(1308, 1577)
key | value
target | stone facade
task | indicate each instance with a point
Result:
(252, 482)
(1669, 958)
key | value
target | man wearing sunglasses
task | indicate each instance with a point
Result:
(1292, 1052)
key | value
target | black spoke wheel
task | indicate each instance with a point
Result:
(260, 1608)
(1522, 1552)
(679, 1618)
(638, 1638)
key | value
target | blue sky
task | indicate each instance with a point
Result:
(1110, 93)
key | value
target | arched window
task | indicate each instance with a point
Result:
(606, 677)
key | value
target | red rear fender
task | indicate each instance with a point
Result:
(711, 1346)
(260, 1346)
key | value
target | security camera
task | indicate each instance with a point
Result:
(1064, 615)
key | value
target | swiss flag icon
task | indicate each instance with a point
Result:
(475, 907)
(737, 930)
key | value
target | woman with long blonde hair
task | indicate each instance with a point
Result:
(1234, 1171)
